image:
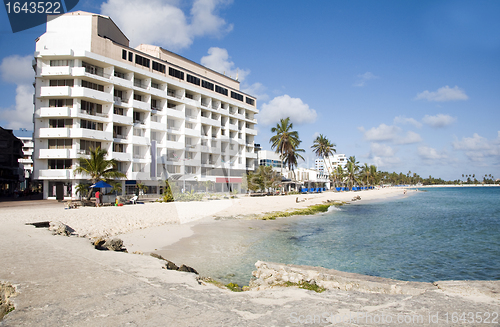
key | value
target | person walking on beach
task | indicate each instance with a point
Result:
(97, 199)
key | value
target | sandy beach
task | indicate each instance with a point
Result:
(65, 281)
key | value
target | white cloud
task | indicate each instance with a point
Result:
(257, 90)
(363, 78)
(21, 116)
(161, 22)
(409, 138)
(381, 133)
(17, 70)
(439, 120)
(477, 148)
(381, 150)
(218, 60)
(284, 106)
(383, 156)
(428, 153)
(443, 94)
(404, 120)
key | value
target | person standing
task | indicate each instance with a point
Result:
(97, 199)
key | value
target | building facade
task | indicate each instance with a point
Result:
(27, 160)
(332, 163)
(270, 158)
(11, 171)
(159, 115)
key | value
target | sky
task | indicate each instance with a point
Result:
(405, 85)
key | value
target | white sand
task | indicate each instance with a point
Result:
(147, 227)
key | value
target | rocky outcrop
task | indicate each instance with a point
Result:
(172, 266)
(6, 291)
(58, 228)
(114, 244)
(274, 274)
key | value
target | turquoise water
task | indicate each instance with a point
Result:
(437, 234)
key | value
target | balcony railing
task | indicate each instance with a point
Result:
(204, 104)
(172, 93)
(120, 100)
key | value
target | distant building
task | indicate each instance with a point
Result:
(11, 150)
(269, 158)
(27, 160)
(309, 177)
(332, 162)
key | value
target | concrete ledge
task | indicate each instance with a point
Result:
(271, 274)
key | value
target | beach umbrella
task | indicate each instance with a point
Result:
(101, 184)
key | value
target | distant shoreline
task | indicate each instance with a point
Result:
(455, 185)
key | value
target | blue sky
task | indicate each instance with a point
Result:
(406, 85)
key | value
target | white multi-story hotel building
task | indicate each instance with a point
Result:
(158, 114)
(332, 161)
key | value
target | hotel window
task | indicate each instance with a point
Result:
(250, 101)
(158, 67)
(207, 85)
(236, 96)
(189, 155)
(175, 73)
(130, 56)
(155, 104)
(117, 147)
(60, 123)
(155, 85)
(86, 146)
(119, 111)
(61, 82)
(92, 69)
(60, 144)
(220, 90)
(124, 54)
(91, 108)
(189, 125)
(140, 60)
(192, 79)
(93, 86)
(119, 74)
(137, 97)
(59, 63)
(60, 163)
(172, 137)
(117, 131)
(87, 124)
(61, 103)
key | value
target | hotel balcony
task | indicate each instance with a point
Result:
(158, 126)
(140, 176)
(251, 155)
(171, 112)
(250, 131)
(125, 120)
(56, 71)
(121, 156)
(174, 145)
(139, 140)
(57, 112)
(90, 134)
(210, 121)
(120, 101)
(80, 71)
(84, 92)
(191, 132)
(141, 105)
(53, 132)
(55, 153)
(55, 173)
(122, 82)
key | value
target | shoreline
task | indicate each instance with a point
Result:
(65, 281)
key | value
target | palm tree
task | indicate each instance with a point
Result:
(292, 155)
(285, 139)
(323, 148)
(82, 189)
(98, 167)
(352, 171)
(366, 173)
(374, 174)
(117, 188)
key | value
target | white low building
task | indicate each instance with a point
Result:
(158, 114)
